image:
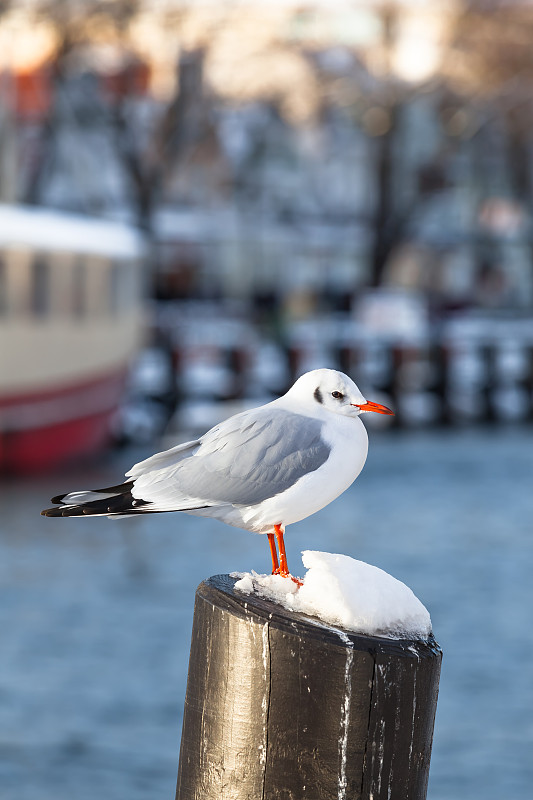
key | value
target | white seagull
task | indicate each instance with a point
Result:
(260, 470)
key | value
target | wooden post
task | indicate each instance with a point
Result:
(282, 707)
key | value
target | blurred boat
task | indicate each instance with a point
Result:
(70, 322)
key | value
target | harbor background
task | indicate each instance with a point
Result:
(295, 185)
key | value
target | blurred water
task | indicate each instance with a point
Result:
(95, 616)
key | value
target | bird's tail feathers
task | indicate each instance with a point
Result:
(112, 501)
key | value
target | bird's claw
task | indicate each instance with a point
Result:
(285, 574)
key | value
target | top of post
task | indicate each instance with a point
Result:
(219, 590)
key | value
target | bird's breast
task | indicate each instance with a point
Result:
(348, 440)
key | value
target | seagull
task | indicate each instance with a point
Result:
(260, 470)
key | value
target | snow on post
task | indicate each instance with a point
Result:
(340, 590)
(283, 704)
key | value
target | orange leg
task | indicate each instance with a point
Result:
(272, 543)
(283, 568)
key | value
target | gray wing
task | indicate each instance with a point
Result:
(168, 458)
(243, 461)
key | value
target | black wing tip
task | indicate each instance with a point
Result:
(122, 499)
(52, 512)
(63, 511)
(120, 504)
(57, 499)
(120, 488)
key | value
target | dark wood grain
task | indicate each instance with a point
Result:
(280, 706)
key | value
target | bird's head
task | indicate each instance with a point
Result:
(333, 391)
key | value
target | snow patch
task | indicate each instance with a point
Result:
(340, 590)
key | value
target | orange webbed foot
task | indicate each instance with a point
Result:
(284, 574)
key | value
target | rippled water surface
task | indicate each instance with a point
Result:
(95, 616)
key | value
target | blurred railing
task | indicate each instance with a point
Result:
(469, 369)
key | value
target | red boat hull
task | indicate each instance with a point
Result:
(42, 430)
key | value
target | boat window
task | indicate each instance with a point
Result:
(40, 286)
(115, 287)
(98, 299)
(132, 286)
(79, 288)
(61, 282)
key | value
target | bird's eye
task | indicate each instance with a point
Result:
(337, 395)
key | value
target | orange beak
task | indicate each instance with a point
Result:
(379, 409)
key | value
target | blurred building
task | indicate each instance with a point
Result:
(340, 160)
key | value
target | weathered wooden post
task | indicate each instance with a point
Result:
(282, 707)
